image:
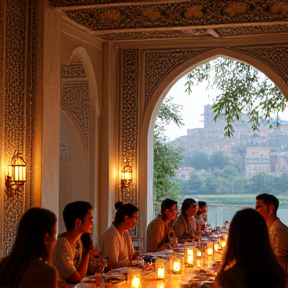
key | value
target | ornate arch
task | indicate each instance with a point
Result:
(162, 68)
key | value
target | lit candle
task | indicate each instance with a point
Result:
(216, 246)
(223, 243)
(161, 272)
(135, 283)
(190, 258)
(176, 266)
(209, 251)
(199, 254)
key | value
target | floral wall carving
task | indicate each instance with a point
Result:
(18, 50)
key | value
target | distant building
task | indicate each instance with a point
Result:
(253, 151)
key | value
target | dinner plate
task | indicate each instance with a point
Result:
(85, 285)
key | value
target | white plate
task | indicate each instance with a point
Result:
(85, 285)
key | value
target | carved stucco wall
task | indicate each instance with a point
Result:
(158, 64)
(74, 132)
(18, 61)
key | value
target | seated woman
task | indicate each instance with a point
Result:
(201, 216)
(185, 226)
(116, 242)
(159, 229)
(30, 262)
(249, 260)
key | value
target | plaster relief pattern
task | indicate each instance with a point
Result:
(188, 33)
(73, 71)
(252, 30)
(19, 110)
(129, 75)
(75, 102)
(178, 14)
(160, 63)
(275, 56)
(14, 85)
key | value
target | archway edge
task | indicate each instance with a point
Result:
(94, 114)
(152, 109)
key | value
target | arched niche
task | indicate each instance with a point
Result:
(148, 120)
(79, 135)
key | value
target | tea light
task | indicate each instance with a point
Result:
(176, 267)
(199, 254)
(189, 256)
(161, 273)
(210, 250)
(135, 282)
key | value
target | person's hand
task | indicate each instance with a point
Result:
(87, 242)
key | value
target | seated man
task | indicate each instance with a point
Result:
(159, 229)
(71, 254)
(267, 205)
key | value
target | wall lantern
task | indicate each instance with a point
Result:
(126, 174)
(16, 174)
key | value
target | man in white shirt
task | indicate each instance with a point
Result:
(267, 205)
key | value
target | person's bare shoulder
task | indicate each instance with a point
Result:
(39, 275)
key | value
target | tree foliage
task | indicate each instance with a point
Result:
(242, 89)
(166, 158)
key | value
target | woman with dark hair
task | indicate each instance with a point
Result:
(30, 262)
(159, 229)
(249, 260)
(201, 216)
(185, 225)
(116, 242)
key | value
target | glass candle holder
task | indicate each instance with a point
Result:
(210, 249)
(176, 263)
(160, 270)
(134, 277)
(189, 256)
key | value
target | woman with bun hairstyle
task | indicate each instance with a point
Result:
(116, 242)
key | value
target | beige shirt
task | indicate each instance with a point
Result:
(183, 226)
(278, 234)
(157, 235)
(117, 247)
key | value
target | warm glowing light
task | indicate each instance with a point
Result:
(161, 272)
(210, 248)
(176, 266)
(199, 254)
(135, 283)
(190, 259)
(216, 246)
(223, 244)
(189, 256)
(209, 251)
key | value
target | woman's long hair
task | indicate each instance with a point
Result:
(125, 210)
(248, 245)
(201, 204)
(186, 205)
(29, 244)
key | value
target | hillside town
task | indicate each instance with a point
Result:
(255, 151)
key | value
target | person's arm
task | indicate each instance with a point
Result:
(80, 273)
(281, 249)
(156, 238)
